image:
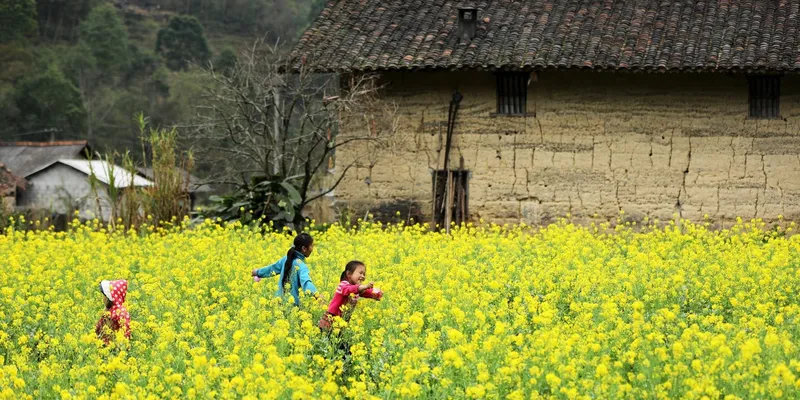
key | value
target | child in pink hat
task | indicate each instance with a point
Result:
(116, 315)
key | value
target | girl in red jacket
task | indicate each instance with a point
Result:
(350, 289)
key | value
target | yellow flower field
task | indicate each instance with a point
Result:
(563, 312)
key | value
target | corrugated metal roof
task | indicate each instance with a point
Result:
(194, 182)
(103, 171)
(26, 158)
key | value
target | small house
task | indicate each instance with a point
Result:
(25, 158)
(67, 186)
(58, 178)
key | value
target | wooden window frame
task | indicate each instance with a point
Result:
(512, 93)
(764, 96)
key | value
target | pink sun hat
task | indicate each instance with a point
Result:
(115, 290)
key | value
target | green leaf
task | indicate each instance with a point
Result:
(294, 195)
(262, 184)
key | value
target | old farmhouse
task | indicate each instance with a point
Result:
(58, 175)
(540, 108)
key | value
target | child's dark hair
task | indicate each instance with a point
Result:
(300, 241)
(350, 267)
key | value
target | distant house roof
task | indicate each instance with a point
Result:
(194, 182)
(26, 158)
(103, 171)
(636, 35)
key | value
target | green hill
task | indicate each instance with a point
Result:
(81, 69)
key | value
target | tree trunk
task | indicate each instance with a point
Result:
(58, 27)
(86, 104)
(47, 19)
(276, 133)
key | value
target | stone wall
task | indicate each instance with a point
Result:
(592, 143)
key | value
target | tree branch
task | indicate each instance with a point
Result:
(333, 187)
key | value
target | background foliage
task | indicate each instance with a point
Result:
(81, 69)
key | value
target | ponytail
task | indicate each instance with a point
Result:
(302, 240)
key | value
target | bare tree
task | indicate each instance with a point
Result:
(263, 121)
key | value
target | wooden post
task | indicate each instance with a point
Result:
(462, 201)
(449, 193)
(448, 210)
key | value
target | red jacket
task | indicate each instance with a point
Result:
(343, 295)
(117, 316)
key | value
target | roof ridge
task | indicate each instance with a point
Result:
(609, 35)
(46, 144)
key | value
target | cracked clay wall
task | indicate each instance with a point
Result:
(592, 143)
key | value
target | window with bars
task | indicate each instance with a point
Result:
(512, 93)
(765, 95)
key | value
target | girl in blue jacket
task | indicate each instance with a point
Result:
(292, 269)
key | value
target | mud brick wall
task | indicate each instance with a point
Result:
(592, 143)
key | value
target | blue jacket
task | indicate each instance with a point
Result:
(299, 277)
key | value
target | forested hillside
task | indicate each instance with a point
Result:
(80, 69)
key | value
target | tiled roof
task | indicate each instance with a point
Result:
(46, 144)
(26, 158)
(639, 35)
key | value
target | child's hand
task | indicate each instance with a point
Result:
(377, 293)
(362, 288)
(256, 279)
(370, 285)
(254, 273)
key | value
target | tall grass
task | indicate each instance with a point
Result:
(165, 202)
(168, 200)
